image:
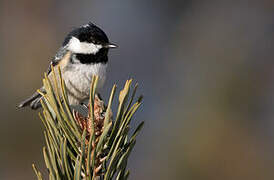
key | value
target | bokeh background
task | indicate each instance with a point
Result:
(205, 68)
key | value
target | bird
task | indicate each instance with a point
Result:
(84, 53)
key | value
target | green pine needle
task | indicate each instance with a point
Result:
(72, 152)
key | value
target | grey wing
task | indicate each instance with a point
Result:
(57, 58)
(34, 100)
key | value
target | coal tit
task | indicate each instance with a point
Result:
(84, 53)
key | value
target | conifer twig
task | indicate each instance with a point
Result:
(92, 146)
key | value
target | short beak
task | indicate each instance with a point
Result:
(110, 45)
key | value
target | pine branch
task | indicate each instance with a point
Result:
(92, 146)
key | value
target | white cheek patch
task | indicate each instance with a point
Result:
(76, 46)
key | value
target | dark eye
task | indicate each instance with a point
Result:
(93, 41)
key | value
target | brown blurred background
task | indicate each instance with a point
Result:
(206, 70)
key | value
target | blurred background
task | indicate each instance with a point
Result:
(205, 68)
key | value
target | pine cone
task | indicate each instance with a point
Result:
(86, 123)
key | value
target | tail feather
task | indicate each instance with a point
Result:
(35, 104)
(33, 101)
